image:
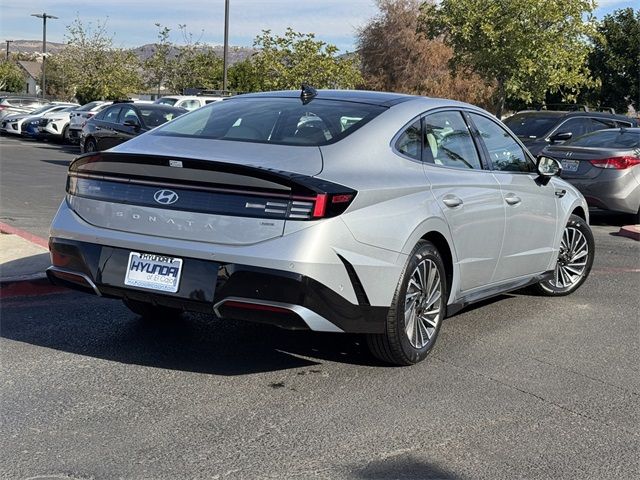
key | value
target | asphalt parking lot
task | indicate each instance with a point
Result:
(518, 387)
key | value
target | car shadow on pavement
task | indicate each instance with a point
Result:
(401, 467)
(62, 163)
(611, 219)
(56, 145)
(196, 343)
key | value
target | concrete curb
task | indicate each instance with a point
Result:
(29, 284)
(630, 231)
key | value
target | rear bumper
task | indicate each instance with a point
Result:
(74, 135)
(243, 292)
(610, 191)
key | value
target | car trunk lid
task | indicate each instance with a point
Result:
(192, 199)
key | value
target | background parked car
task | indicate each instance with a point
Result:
(190, 102)
(604, 166)
(79, 117)
(55, 125)
(122, 121)
(537, 129)
(15, 104)
(13, 123)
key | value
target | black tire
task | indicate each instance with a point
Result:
(64, 139)
(152, 312)
(90, 145)
(554, 287)
(394, 346)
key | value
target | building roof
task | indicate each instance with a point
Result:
(33, 69)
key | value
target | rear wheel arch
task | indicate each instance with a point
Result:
(444, 249)
(579, 211)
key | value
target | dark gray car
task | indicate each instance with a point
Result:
(538, 129)
(604, 166)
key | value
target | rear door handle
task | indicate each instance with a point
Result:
(512, 199)
(452, 201)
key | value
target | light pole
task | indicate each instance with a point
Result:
(226, 45)
(44, 17)
(8, 42)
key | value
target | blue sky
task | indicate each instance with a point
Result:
(131, 22)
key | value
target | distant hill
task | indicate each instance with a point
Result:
(236, 54)
(33, 46)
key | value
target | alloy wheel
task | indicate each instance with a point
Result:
(422, 303)
(572, 259)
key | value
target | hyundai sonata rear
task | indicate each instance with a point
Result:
(356, 212)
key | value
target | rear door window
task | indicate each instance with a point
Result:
(111, 115)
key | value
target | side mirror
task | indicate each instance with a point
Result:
(548, 167)
(560, 137)
(132, 123)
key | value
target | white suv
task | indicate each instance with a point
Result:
(189, 102)
(55, 124)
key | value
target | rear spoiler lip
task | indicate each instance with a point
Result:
(299, 184)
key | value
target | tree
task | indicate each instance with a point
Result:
(159, 65)
(397, 57)
(96, 69)
(616, 60)
(528, 47)
(59, 84)
(194, 66)
(284, 62)
(11, 77)
(242, 77)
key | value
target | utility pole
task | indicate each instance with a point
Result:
(8, 42)
(44, 17)
(226, 45)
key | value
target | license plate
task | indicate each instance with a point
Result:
(570, 165)
(155, 272)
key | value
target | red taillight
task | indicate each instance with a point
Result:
(329, 205)
(617, 163)
(320, 205)
(341, 198)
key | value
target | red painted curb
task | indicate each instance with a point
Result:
(630, 231)
(30, 237)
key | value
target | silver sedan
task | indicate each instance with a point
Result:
(335, 211)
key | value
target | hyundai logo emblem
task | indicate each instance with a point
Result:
(165, 197)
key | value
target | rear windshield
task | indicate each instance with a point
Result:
(608, 139)
(283, 121)
(160, 114)
(530, 126)
(166, 101)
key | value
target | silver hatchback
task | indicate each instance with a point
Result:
(334, 211)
